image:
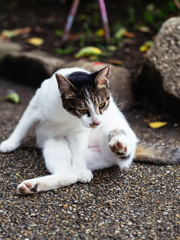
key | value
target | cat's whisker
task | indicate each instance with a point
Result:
(122, 102)
(116, 97)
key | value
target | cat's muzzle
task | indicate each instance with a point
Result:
(93, 125)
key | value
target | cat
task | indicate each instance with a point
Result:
(79, 129)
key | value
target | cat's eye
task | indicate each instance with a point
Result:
(83, 111)
(102, 105)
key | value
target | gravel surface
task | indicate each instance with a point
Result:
(142, 203)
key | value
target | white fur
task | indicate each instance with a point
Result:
(71, 149)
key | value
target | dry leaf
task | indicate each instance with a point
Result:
(157, 124)
(144, 29)
(15, 32)
(129, 34)
(35, 41)
(116, 62)
(75, 36)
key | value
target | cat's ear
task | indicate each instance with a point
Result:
(101, 79)
(65, 86)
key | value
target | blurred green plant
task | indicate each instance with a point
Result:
(64, 50)
(59, 32)
(156, 13)
(140, 15)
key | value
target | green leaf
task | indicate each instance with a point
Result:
(120, 32)
(88, 52)
(59, 32)
(149, 17)
(112, 48)
(13, 97)
(146, 46)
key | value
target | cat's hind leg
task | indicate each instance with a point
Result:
(58, 159)
(42, 184)
(29, 118)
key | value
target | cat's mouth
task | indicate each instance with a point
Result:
(92, 125)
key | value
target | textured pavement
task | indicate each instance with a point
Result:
(142, 203)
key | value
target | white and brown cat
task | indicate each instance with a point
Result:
(79, 129)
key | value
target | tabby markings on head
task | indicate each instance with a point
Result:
(85, 94)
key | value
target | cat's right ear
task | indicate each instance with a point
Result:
(65, 86)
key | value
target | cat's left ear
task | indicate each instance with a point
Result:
(101, 79)
(65, 86)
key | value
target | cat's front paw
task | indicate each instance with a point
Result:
(118, 143)
(7, 146)
(85, 176)
(27, 188)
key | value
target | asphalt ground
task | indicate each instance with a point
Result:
(142, 203)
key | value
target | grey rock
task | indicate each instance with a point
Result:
(30, 67)
(8, 48)
(158, 80)
(119, 80)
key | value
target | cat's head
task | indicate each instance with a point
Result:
(86, 95)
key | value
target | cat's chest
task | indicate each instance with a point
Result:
(94, 138)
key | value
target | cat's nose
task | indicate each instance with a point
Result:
(96, 123)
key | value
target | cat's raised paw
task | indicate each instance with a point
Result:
(7, 146)
(118, 143)
(85, 176)
(27, 188)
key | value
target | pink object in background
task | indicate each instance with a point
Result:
(72, 14)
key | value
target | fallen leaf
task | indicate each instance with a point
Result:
(116, 62)
(120, 32)
(87, 52)
(144, 29)
(100, 32)
(129, 34)
(157, 124)
(112, 48)
(13, 97)
(75, 36)
(35, 41)
(146, 46)
(13, 33)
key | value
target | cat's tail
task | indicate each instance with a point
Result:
(157, 154)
